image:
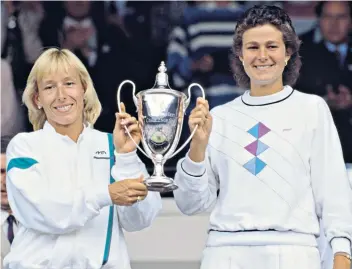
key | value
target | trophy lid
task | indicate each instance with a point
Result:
(161, 80)
(162, 84)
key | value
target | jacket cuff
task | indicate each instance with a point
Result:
(123, 159)
(341, 244)
(192, 168)
(103, 196)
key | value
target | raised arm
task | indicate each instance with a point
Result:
(195, 177)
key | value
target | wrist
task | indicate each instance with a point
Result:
(343, 254)
(126, 156)
(197, 152)
(198, 146)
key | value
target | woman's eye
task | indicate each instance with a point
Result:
(48, 87)
(70, 83)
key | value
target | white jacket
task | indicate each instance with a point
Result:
(277, 162)
(58, 191)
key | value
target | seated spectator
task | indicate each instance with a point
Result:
(314, 35)
(327, 67)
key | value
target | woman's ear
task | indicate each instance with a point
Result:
(287, 58)
(241, 59)
(36, 101)
(288, 54)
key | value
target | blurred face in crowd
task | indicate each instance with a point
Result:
(264, 55)
(61, 95)
(4, 201)
(77, 9)
(335, 22)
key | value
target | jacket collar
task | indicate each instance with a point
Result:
(50, 129)
(280, 96)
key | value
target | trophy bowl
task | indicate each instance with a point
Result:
(160, 116)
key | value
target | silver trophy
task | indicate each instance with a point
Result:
(160, 115)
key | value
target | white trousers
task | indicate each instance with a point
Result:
(261, 257)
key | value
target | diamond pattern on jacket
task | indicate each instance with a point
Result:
(256, 165)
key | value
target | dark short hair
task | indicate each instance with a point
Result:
(320, 6)
(5, 140)
(261, 15)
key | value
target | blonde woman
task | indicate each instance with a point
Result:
(73, 189)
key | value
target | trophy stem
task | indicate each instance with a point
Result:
(158, 170)
(158, 181)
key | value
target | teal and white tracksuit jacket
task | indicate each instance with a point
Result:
(58, 192)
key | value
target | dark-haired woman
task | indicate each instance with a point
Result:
(270, 161)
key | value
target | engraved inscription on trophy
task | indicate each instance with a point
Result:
(160, 122)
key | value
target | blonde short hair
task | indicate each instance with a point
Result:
(51, 61)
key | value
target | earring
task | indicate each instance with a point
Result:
(286, 62)
(243, 63)
(39, 107)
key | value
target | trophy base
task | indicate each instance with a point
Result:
(160, 184)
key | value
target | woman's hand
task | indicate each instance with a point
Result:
(122, 141)
(128, 191)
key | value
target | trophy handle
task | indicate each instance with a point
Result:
(186, 105)
(135, 100)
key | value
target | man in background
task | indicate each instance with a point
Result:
(327, 66)
(9, 224)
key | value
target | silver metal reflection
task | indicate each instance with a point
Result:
(160, 115)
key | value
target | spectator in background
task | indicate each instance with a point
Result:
(103, 48)
(21, 45)
(9, 225)
(314, 35)
(200, 47)
(327, 67)
(149, 24)
(12, 113)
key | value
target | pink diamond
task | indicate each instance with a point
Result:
(262, 130)
(252, 147)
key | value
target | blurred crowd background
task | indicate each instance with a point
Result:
(119, 40)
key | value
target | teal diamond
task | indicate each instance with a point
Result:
(259, 165)
(261, 147)
(254, 131)
(250, 166)
(255, 166)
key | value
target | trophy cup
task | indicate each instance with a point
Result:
(160, 116)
